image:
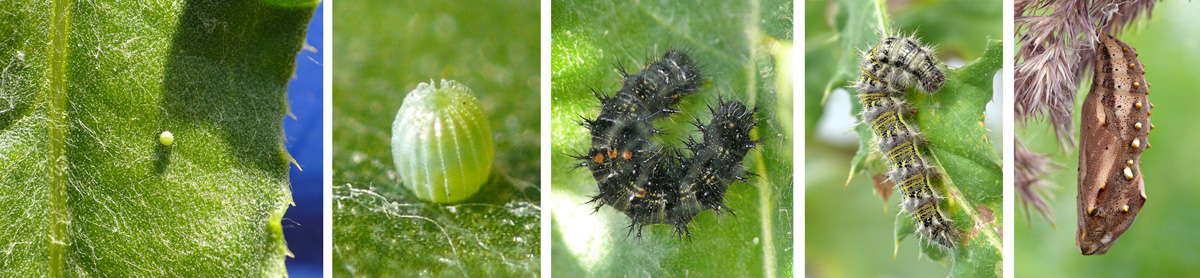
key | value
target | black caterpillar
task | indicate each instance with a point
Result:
(653, 184)
(888, 69)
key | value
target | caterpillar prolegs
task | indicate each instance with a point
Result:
(1114, 131)
(888, 69)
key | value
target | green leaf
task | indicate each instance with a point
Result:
(85, 90)
(951, 120)
(739, 52)
(383, 50)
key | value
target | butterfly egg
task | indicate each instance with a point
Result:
(166, 138)
(441, 142)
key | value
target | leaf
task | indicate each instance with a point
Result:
(739, 51)
(86, 88)
(382, 230)
(952, 121)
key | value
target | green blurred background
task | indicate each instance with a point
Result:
(1162, 241)
(848, 227)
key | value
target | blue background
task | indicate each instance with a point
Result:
(302, 225)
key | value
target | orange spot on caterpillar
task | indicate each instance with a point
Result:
(627, 155)
(599, 158)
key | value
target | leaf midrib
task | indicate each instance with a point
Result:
(764, 190)
(56, 138)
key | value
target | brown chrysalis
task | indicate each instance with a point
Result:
(1114, 128)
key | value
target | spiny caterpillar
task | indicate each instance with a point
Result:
(653, 184)
(888, 69)
(1114, 131)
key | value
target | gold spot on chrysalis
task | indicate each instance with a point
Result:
(1125, 208)
(1138, 105)
(1129, 162)
(1136, 84)
(1137, 126)
(1131, 65)
(1136, 143)
(1128, 173)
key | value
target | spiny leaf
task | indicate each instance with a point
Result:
(87, 88)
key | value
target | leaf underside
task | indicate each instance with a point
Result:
(85, 90)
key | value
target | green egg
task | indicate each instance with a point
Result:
(441, 142)
(166, 138)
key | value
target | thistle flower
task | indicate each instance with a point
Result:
(1031, 168)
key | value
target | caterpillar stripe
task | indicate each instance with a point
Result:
(658, 185)
(888, 69)
(1114, 131)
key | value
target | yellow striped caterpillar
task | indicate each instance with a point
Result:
(888, 69)
(1114, 130)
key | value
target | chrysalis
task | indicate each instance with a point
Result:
(1114, 130)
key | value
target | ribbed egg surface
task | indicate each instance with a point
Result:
(441, 142)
